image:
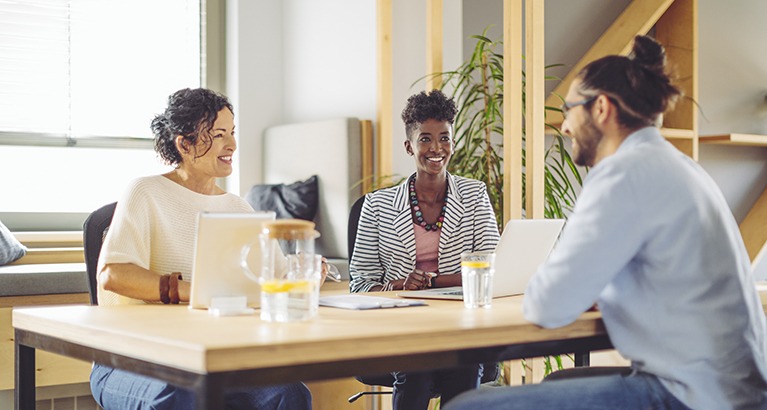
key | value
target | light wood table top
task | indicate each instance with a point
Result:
(210, 355)
(195, 341)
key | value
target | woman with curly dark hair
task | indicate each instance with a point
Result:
(411, 236)
(147, 253)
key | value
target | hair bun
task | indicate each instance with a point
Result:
(648, 53)
(160, 124)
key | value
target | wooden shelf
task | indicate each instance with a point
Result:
(677, 133)
(752, 140)
(56, 239)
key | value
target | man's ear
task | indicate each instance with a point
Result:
(603, 109)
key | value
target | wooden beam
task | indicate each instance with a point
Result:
(754, 227)
(384, 89)
(638, 18)
(535, 133)
(433, 43)
(366, 143)
(677, 30)
(512, 110)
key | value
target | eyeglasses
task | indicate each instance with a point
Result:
(566, 107)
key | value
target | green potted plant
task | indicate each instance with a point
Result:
(477, 86)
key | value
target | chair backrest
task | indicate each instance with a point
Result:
(94, 229)
(354, 221)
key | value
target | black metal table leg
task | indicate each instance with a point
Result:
(209, 395)
(582, 359)
(24, 394)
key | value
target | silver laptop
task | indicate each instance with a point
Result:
(216, 269)
(525, 244)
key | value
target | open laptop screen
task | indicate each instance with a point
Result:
(216, 270)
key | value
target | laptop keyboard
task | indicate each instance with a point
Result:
(455, 292)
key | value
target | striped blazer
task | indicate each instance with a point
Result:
(385, 245)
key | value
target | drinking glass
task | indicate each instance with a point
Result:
(477, 269)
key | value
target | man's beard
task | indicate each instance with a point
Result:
(585, 147)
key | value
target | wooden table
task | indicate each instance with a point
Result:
(208, 355)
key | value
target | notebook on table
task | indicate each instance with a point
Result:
(525, 244)
(216, 269)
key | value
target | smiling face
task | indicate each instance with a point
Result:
(216, 147)
(431, 143)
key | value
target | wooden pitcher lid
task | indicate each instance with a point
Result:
(290, 229)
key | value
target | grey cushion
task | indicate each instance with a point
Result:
(43, 279)
(10, 248)
(297, 200)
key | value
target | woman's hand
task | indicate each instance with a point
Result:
(329, 272)
(417, 280)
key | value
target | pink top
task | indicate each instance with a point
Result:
(426, 249)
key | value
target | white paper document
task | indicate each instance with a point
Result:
(364, 302)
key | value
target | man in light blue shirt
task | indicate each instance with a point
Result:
(654, 245)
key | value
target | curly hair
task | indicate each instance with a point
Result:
(638, 83)
(191, 113)
(432, 106)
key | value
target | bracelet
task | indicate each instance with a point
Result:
(173, 287)
(164, 287)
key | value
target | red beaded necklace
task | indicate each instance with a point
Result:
(418, 215)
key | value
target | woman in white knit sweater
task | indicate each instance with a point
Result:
(147, 254)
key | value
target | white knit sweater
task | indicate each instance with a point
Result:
(154, 226)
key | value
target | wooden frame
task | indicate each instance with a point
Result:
(384, 88)
(535, 136)
(512, 109)
(434, 11)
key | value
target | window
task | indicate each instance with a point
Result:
(80, 81)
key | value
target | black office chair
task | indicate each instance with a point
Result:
(490, 370)
(94, 230)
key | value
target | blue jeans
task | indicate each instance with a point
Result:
(116, 389)
(625, 392)
(413, 390)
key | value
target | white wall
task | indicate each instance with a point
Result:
(408, 65)
(329, 59)
(296, 61)
(254, 80)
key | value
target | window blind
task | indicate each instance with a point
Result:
(94, 68)
(80, 81)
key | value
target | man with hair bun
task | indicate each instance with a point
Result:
(653, 245)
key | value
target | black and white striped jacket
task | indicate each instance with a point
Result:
(385, 245)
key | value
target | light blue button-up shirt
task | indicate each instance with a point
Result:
(653, 242)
